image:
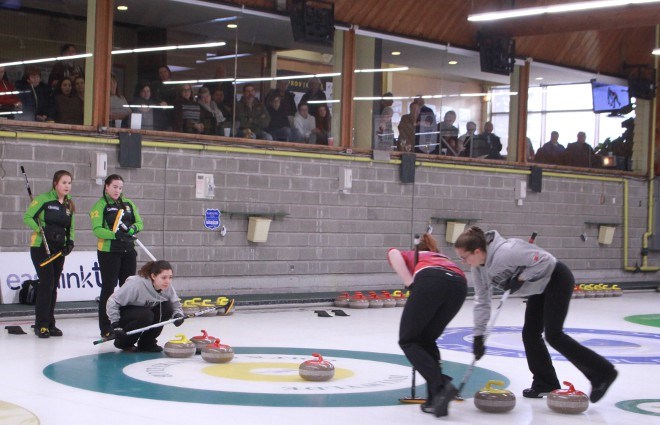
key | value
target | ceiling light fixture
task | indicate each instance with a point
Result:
(122, 7)
(402, 68)
(161, 48)
(232, 26)
(656, 51)
(452, 62)
(396, 53)
(556, 8)
(538, 78)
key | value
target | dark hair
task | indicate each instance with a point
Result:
(471, 239)
(154, 267)
(111, 178)
(68, 203)
(428, 243)
(59, 85)
(66, 47)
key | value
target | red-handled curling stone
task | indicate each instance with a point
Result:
(568, 400)
(202, 341)
(217, 353)
(316, 369)
(494, 400)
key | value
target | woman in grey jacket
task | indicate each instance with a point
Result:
(143, 300)
(519, 266)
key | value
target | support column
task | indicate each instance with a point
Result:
(523, 91)
(348, 88)
(366, 84)
(99, 35)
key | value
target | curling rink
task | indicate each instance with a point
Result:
(70, 381)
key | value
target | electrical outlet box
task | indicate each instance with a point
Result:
(99, 165)
(204, 186)
(345, 180)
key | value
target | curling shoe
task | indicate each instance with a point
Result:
(599, 388)
(54, 331)
(42, 332)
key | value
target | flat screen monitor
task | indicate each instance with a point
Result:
(609, 97)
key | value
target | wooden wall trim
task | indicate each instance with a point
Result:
(102, 63)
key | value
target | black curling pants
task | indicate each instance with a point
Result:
(435, 298)
(115, 267)
(133, 317)
(546, 312)
(49, 277)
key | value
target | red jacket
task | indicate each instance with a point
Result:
(429, 259)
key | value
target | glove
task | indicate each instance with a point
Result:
(513, 283)
(132, 230)
(180, 320)
(478, 347)
(67, 248)
(123, 236)
(118, 330)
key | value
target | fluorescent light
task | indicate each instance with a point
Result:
(163, 48)
(6, 93)
(396, 53)
(557, 8)
(232, 26)
(403, 68)
(180, 82)
(149, 106)
(39, 60)
(452, 62)
(224, 57)
(656, 51)
(202, 45)
(11, 113)
(227, 19)
(324, 101)
(214, 80)
(538, 78)
(122, 8)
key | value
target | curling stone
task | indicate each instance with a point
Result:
(189, 307)
(598, 291)
(342, 300)
(616, 291)
(317, 369)
(400, 298)
(589, 291)
(607, 291)
(358, 300)
(202, 341)
(221, 302)
(179, 348)
(205, 305)
(374, 300)
(578, 292)
(388, 301)
(569, 400)
(494, 400)
(217, 353)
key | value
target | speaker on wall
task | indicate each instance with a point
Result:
(497, 54)
(130, 150)
(536, 179)
(313, 21)
(407, 172)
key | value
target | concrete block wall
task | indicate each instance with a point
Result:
(329, 240)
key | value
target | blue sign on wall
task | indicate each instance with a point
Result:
(212, 218)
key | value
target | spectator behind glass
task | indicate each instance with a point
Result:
(323, 125)
(65, 68)
(68, 106)
(580, 153)
(226, 86)
(35, 97)
(287, 98)
(426, 132)
(252, 116)
(466, 139)
(187, 112)
(144, 99)
(407, 128)
(119, 111)
(218, 97)
(210, 115)
(449, 135)
(164, 95)
(314, 93)
(79, 88)
(279, 126)
(494, 143)
(305, 125)
(552, 152)
(8, 102)
(384, 133)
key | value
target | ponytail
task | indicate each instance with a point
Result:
(428, 243)
(153, 267)
(472, 239)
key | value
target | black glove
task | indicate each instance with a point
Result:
(478, 347)
(123, 236)
(118, 330)
(67, 248)
(513, 283)
(180, 320)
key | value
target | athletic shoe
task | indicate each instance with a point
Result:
(150, 349)
(426, 407)
(441, 400)
(598, 388)
(54, 331)
(536, 392)
(42, 332)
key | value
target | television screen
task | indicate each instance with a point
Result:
(609, 97)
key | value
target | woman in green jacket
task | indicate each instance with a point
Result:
(53, 211)
(115, 250)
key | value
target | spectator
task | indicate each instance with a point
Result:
(315, 94)
(552, 152)
(187, 112)
(287, 98)
(35, 97)
(386, 101)
(426, 132)
(449, 135)
(164, 95)
(323, 126)
(119, 110)
(227, 88)
(494, 143)
(145, 101)
(407, 128)
(9, 102)
(79, 88)
(580, 154)
(218, 97)
(466, 139)
(252, 116)
(384, 133)
(68, 106)
(529, 150)
(279, 126)
(305, 125)
(210, 115)
(65, 68)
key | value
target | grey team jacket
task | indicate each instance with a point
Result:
(503, 256)
(139, 291)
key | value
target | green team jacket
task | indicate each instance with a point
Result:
(103, 215)
(57, 220)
